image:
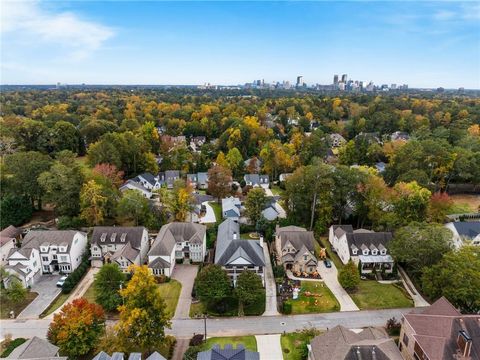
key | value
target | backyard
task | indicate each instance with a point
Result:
(294, 344)
(320, 300)
(464, 203)
(371, 294)
(17, 307)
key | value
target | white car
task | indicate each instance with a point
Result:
(61, 281)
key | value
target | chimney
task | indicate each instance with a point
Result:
(464, 342)
(261, 241)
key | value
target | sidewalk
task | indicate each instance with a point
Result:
(418, 300)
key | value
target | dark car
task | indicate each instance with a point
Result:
(327, 263)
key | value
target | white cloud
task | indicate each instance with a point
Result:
(32, 22)
(444, 15)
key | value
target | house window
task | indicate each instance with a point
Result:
(383, 252)
(405, 339)
(46, 268)
(305, 257)
(354, 252)
(54, 257)
(45, 258)
(63, 258)
(365, 252)
(158, 271)
(374, 252)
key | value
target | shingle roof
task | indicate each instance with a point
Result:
(468, 229)
(363, 240)
(228, 353)
(132, 235)
(128, 252)
(150, 178)
(156, 356)
(35, 238)
(102, 355)
(159, 263)
(256, 179)
(175, 232)
(298, 239)
(9, 233)
(135, 356)
(228, 248)
(34, 348)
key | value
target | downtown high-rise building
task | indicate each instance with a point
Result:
(344, 78)
(299, 81)
(335, 79)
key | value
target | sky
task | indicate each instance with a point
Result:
(423, 44)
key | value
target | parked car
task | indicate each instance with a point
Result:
(327, 263)
(61, 281)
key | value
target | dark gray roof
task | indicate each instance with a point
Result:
(10, 232)
(135, 356)
(34, 348)
(228, 353)
(229, 246)
(363, 240)
(102, 355)
(175, 232)
(150, 178)
(159, 263)
(256, 179)
(128, 252)
(298, 239)
(468, 229)
(133, 235)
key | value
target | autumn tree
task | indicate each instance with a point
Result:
(107, 284)
(77, 328)
(440, 204)
(235, 161)
(219, 180)
(110, 172)
(134, 207)
(255, 204)
(249, 289)
(410, 202)
(92, 203)
(143, 316)
(457, 277)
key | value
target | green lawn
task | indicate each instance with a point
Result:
(90, 294)
(217, 209)
(325, 302)
(371, 294)
(249, 342)
(276, 190)
(8, 345)
(293, 343)
(57, 303)
(231, 308)
(170, 292)
(323, 242)
(6, 305)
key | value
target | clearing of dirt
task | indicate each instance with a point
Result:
(470, 200)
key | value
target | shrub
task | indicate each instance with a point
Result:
(393, 327)
(191, 353)
(10, 345)
(162, 279)
(73, 279)
(287, 308)
(278, 271)
(348, 276)
(196, 340)
(67, 222)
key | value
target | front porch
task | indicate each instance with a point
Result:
(376, 263)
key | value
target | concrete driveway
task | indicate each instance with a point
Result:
(270, 286)
(209, 216)
(185, 274)
(47, 292)
(329, 276)
(269, 347)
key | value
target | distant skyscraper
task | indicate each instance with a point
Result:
(344, 78)
(299, 81)
(335, 79)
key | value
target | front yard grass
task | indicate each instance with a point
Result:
(325, 301)
(277, 190)
(371, 294)
(249, 342)
(16, 307)
(197, 309)
(57, 303)
(170, 292)
(293, 344)
(217, 209)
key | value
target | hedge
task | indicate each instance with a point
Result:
(11, 346)
(74, 278)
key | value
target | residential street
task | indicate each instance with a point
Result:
(236, 325)
(270, 286)
(47, 292)
(185, 274)
(329, 276)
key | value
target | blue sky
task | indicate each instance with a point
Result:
(423, 44)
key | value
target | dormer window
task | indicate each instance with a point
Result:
(103, 237)
(365, 252)
(374, 252)
(123, 237)
(354, 251)
(112, 238)
(383, 252)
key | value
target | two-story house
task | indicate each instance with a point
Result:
(231, 208)
(440, 332)
(198, 180)
(256, 180)
(124, 246)
(137, 186)
(464, 231)
(236, 255)
(337, 140)
(168, 178)
(295, 249)
(177, 241)
(364, 246)
(8, 240)
(24, 264)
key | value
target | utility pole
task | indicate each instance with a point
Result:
(205, 327)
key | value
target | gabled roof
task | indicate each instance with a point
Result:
(467, 229)
(8, 234)
(156, 356)
(228, 353)
(150, 178)
(34, 348)
(231, 206)
(133, 235)
(128, 252)
(159, 263)
(102, 355)
(229, 247)
(256, 179)
(176, 232)
(298, 239)
(129, 184)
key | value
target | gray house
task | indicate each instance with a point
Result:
(228, 353)
(236, 255)
(168, 178)
(198, 180)
(256, 180)
(36, 348)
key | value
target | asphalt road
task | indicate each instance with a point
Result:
(258, 325)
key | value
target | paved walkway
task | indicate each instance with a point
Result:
(269, 347)
(270, 286)
(329, 276)
(185, 274)
(268, 192)
(46, 287)
(293, 277)
(180, 347)
(418, 300)
(209, 216)
(79, 290)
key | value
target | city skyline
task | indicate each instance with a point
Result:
(425, 45)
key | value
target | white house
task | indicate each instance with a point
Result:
(124, 246)
(46, 252)
(231, 207)
(337, 140)
(464, 231)
(256, 180)
(365, 246)
(8, 239)
(177, 241)
(137, 186)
